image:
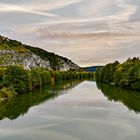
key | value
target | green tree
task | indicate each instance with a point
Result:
(16, 76)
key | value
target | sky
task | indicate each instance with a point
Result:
(89, 32)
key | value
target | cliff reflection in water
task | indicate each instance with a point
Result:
(21, 104)
(129, 98)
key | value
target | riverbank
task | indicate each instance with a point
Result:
(125, 75)
(17, 80)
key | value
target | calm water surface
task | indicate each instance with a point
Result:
(72, 112)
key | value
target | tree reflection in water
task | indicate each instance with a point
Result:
(21, 104)
(129, 98)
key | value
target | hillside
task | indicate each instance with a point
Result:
(13, 52)
(91, 69)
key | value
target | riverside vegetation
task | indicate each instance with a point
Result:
(125, 75)
(20, 105)
(17, 80)
(24, 68)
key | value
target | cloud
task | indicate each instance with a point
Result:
(83, 36)
(122, 15)
(95, 27)
(119, 10)
(80, 31)
(38, 9)
(53, 5)
(112, 16)
(18, 8)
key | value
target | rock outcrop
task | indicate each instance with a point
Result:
(15, 53)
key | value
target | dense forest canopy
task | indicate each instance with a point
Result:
(126, 75)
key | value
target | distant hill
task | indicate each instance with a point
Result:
(91, 68)
(13, 52)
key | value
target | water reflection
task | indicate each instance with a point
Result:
(129, 98)
(22, 103)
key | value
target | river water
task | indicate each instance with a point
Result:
(78, 111)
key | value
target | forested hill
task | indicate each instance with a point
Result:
(13, 52)
(91, 68)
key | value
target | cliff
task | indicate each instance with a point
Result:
(13, 52)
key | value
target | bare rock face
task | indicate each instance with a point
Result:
(13, 52)
(28, 59)
(65, 66)
(31, 60)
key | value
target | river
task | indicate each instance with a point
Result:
(74, 111)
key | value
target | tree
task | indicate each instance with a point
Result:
(16, 76)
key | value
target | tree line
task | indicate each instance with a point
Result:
(125, 75)
(20, 80)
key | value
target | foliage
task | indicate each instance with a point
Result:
(125, 75)
(45, 76)
(8, 44)
(23, 80)
(2, 73)
(6, 93)
(16, 76)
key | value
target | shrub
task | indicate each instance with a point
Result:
(16, 76)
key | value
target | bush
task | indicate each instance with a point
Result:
(45, 76)
(35, 78)
(16, 76)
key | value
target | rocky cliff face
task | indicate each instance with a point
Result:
(27, 59)
(13, 53)
(68, 65)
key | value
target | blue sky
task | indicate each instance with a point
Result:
(90, 32)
